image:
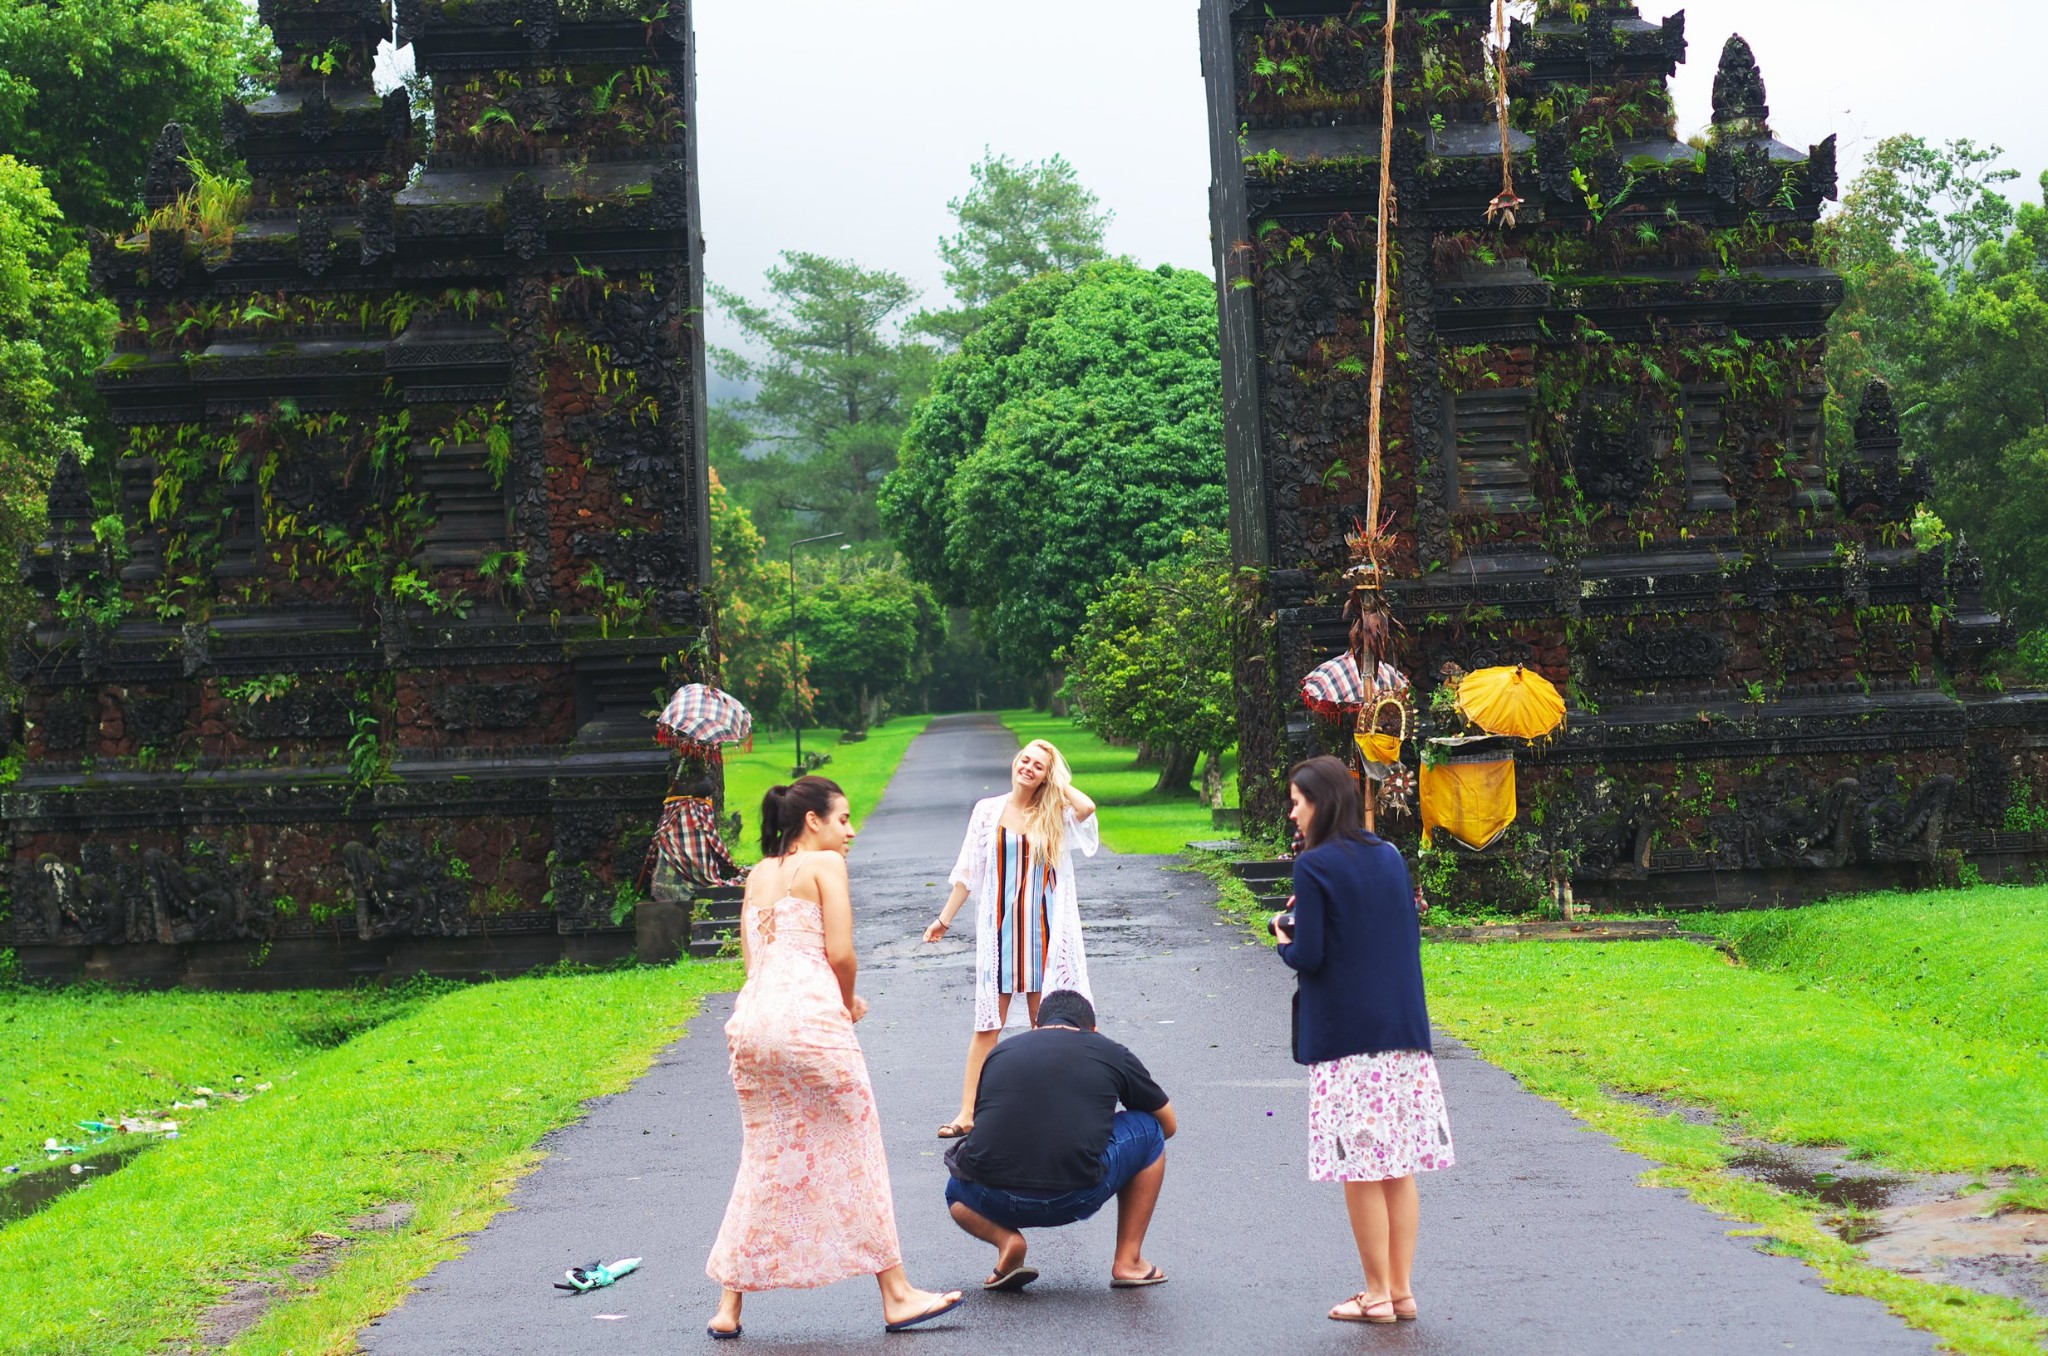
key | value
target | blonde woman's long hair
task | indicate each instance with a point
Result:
(1045, 822)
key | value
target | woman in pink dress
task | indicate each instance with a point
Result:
(812, 1204)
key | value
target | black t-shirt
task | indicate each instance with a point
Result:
(1042, 1117)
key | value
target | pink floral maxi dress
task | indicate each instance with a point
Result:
(812, 1204)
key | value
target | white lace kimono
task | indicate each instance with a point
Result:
(1066, 967)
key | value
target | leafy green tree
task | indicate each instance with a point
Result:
(86, 85)
(1947, 299)
(1151, 665)
(1983, 373)
(835, 390)
(1935, 203)
(1017, 222)
(1078, 434)
(867, 630)
(754, 651)
(869, 633)
(52, 333)
(965, 676)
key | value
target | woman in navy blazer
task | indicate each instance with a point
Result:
(1376, 1109)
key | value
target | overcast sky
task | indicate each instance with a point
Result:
(844, 126)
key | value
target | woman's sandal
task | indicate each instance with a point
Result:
(942, 1305)
(1408, 1315)
(954, 1130)
(1365, 1309)
(721, 1334)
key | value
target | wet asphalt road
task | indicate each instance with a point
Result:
(1538, 1242)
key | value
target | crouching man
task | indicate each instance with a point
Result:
(1049, 1146)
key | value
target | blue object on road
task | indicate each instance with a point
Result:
(597, 1276)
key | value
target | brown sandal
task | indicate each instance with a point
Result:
(954, 1130)
(1365, 1310)
(1410, 1314)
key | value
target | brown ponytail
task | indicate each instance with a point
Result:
(784, 807)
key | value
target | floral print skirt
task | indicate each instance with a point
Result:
(1373, 1118)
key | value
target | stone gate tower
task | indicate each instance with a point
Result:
(1608, 456)
(410, 532)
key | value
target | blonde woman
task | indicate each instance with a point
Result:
(1017, 861)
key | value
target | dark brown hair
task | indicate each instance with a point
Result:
(784, 807)
(1064, 1007)
(1330, 789)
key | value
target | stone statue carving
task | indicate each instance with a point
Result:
(403, 888)
(526, 209)
(202, 898)
(169, 176)
(1740, 106)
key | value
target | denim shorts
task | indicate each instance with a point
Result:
(1136, 1141)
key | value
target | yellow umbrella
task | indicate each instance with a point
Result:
(1512, 702)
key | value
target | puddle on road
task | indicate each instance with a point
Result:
(23, 1195)
(1940, 1226)
(1864, 1194)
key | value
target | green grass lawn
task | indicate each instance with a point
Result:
(862, 769)
(440, 1107)
(97, 1054)
(1134, 818)
(1970, 961)
(1784, 1060)
(1851, 1028)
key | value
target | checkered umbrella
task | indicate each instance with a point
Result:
(699, 718)
(1335, 689)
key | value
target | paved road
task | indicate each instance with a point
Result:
(1539, 1242)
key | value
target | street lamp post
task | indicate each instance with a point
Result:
(796, 705)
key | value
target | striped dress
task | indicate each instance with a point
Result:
(983, 869)
(1023, 918)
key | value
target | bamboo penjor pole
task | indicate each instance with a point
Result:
(1379, 305)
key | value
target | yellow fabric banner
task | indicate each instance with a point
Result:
(1379, 748)
(1472, 802)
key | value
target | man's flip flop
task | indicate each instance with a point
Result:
(1013, 1280)
(1153, 1277)
(954, 1130)
(944, 1306)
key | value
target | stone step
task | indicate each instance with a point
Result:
(723, 910)
(708, 936)
(1255, 873)
(717, 919)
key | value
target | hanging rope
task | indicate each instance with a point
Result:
(1379, 305)
(1503, 208)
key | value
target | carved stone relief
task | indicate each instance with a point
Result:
(1672, 652)
(403, 887)
(487, 706)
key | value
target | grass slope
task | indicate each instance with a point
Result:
(1972, 961)
(862, 769)
(95, 1054)
(439, 1107)
(1134, 817)
(1781, 1059)
(1789, 1062)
